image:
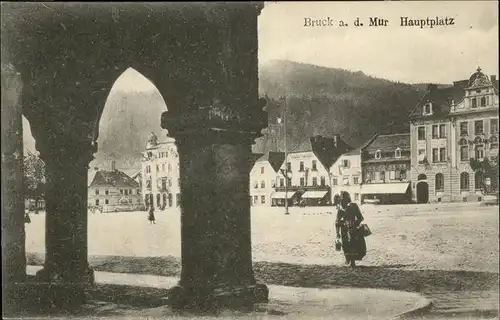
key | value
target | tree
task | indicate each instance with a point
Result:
(489, 169)
(34, 177)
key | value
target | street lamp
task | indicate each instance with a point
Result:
(287, 173)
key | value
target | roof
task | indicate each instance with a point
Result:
(324, 148)
(275, 159)
(442, 97)
(389, 142)
(353, 152)
(113, 178)
(90, 176)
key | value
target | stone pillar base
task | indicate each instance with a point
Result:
(214, 300)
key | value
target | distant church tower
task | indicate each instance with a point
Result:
(274, 133)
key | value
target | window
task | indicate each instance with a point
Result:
(255, 184)
(377, 175)
(439, 182)
(282, 182)
(345, 163)
(262, 199)
(148, 184)
(435, 131)
(442, 131)
(323, 181)
(302, 182)
(474, 103)
(97, 191)
(464, 181)
(356, 197)
(397, 153)
(255, 199)
(392, 175)
(402, 174)
(479, 151)
(301, 166)
(478, 127)
(315, 181)
(261, 170)
(435, 155)
(106, 191)
(355, 180)
(163, 184)
(126, 192)
(106, 201)
(289, 166)
(178, 199)
(169, 182)
(148, 169)
(96, 202)
(442, 154)
(273, 183)
(345, 180)
(378, 154)
(427, 110)
(493, 126)
(121, 191)
(382, 175)
(158, 199)
(464, 150)
(421, 133)
(464, 128)
(157, 168)
(335, 181)
(478, 180)
(288, 182)
(421, 155)
(483, 101)
(494, 142)
(138, 191)
(314, 168)
(169, 167)
(262, 184)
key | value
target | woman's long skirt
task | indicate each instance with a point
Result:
(353, 245)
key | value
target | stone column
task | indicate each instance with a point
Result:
(215, 120)
(13, 234)
(66, 265)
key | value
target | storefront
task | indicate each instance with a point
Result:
(278, 198)
(314, 198)
(386, 193)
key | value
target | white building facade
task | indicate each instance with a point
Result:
(346, 175)
(160, 173)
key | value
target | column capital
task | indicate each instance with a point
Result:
(217, 122)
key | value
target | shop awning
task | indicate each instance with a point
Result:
(314, 194)
(385, 188)
(281, 195)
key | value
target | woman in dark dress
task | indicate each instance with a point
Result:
(349, 218)
(151, 216)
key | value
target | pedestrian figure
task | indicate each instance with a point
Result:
(151, 216)
(27, 218)
(349, 218)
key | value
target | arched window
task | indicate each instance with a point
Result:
(439, 182)
(378, 154)
(494, 142)
(464, 149)
(464, 181)
(397, 153)
(478, 180)
(474, 102)
(422, 177)
(483, 102)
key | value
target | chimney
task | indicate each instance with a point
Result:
(336, 138)
(113, 165)
(493, 79)
(431, 87)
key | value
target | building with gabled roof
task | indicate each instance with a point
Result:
(309, 164)
(346, 174)
(263, 177)
(113, 191)
(386, 167)
(450, 127)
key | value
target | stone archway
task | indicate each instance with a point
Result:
(422, 192)
(203, 60)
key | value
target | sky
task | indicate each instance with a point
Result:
(406, 54)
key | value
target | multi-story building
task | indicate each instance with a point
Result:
(263, 177)
(451, 126)
(346, 174)
(160, 173)
(386, 167)
(113, 191)
(307, 170)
